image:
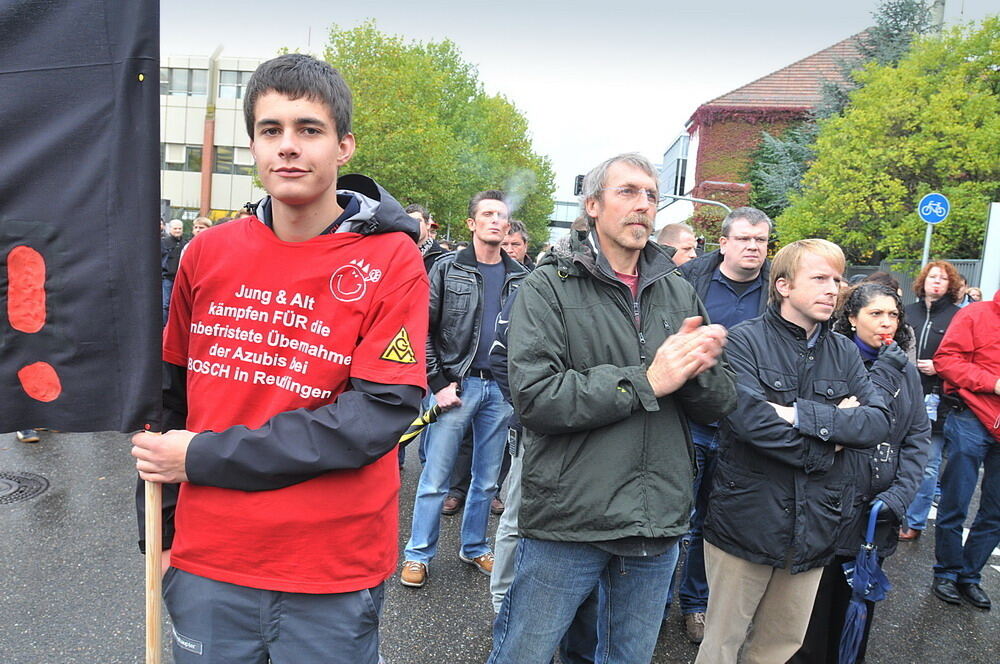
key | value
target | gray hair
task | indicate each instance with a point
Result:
(749, 214)
(518, 227)
(596, 179)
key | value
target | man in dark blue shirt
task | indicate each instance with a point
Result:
(468, 289)
(732, 282)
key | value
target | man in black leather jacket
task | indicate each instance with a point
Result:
(468, 289)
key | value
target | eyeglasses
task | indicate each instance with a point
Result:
(746, 239)
(631, 193)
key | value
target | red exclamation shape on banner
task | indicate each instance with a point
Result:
(26, 312)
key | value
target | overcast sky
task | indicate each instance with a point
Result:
(594, 79)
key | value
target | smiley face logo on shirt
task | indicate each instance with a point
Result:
(349, 283)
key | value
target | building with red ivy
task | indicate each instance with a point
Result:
(724, 132)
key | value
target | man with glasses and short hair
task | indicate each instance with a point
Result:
(732, 282)
(607, 354)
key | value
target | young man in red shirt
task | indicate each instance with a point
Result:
(295, 345)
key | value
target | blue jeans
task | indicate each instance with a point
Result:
(484, 406)
(167, 287)
(920, 507)
(693, 594)
(969, 447)
(552, 579)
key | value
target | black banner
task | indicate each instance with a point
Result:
(80, 307)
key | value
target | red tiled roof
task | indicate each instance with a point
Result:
(798, 85)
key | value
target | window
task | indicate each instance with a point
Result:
(192, 160)
(232, 83)
(176, 157)
(243, 162)
(223, 160)
(233, 161)
(172, 157)
(183, 82)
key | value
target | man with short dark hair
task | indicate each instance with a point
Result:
(732, 283)
(516, 244)
(679, 241)
(781, 489)
(607, 353)
(292, 368)
(468, 289)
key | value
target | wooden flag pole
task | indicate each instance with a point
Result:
(154, 573)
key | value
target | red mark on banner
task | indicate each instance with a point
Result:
(26, 313)
(25, 289)
(40, 381)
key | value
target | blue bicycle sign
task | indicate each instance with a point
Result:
(933, 208)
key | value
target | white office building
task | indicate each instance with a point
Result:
(190, 90)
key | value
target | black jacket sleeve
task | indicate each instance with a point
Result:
(436, 378)
(914, 448)
(360, 427)
(860, 427)
(810, 444)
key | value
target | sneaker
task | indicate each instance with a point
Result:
(496, 506)
(27, 436)
(414, 574)
(483, 563)
(694, 625)
(451, 505)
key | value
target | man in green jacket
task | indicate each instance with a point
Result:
(608, 356)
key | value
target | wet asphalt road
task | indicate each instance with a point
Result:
(71, 579)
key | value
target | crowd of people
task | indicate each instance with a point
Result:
(633, 397)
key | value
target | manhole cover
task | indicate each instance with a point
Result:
(17, 487)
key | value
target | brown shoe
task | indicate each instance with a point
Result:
(496, 506)
(451, 505)
(483, 563)
(694, 625)
(414, 574)
(909, 534)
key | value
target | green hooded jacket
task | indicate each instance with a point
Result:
(604, 458)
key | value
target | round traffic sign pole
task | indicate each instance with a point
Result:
(933, 208)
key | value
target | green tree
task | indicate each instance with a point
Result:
(932, 123)
(428, 132)
(778, 165)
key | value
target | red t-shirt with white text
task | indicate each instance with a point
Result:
(265, 326)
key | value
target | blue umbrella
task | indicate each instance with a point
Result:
(868, 583)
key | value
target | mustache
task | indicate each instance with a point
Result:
(638, 218)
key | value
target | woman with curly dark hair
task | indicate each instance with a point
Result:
(872, 316)
(938, 287)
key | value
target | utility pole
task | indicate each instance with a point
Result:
(208, 136)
